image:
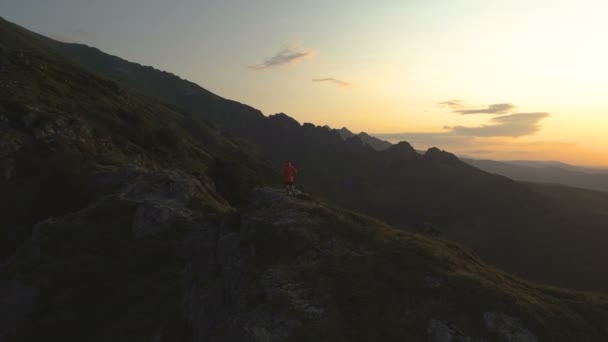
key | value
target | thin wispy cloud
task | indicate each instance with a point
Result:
(75, 36)
(498, 108)
(454, 104)
(504, 128)
(335, 81)
(458, 107)
(287, 56)
(514, 125)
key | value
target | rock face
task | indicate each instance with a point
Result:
(439, 331)
(152, 219)
(163, 197)
(225, 299)
(507, 328)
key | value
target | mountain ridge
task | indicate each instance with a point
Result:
(141, 222)
(372, 141)
(485, 212)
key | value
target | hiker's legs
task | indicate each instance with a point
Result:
(289, 187)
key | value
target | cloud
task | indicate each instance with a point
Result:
(498, 140)
(498, 108)
(497, 136)
(454, 104)
(289, 55)
(337, 82)
(75, 36)
(514, 125)
(426, 140)
(457, 106)
(467, 137)
(481, 147)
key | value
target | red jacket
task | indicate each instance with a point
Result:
(288, 172)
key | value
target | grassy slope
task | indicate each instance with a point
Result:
(375, 280)
(100, 123)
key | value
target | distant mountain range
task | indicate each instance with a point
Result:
(558, 164)
(546, 172)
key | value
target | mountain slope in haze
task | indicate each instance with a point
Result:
(560, 165)
(556, 244)
(575, 177)
(130, 232)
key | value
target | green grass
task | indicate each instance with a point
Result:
(371, 279)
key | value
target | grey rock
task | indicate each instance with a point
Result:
(433, 282)
(151, 219)
(7, 168)
(439, 331)
(278, 283)
(507, 328)
(109, 178)
(214, 285)
(28, 119)
(43, 132)
(442, 331)
(166, 186)
(163, 196)
(269, 328)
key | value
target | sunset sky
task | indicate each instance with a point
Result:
(486, 79)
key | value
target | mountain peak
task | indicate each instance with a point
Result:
(285, 120)
(436, 154)
(400, 152)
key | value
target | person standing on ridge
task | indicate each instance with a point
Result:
(289, 171)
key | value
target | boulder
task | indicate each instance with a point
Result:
(151, 219)
(439, 331)
(507, 328)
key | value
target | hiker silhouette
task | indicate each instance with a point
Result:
(289, 171)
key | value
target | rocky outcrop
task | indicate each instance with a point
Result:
(226, 298)
(164, 197)
(507, 328)
(440, 331)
